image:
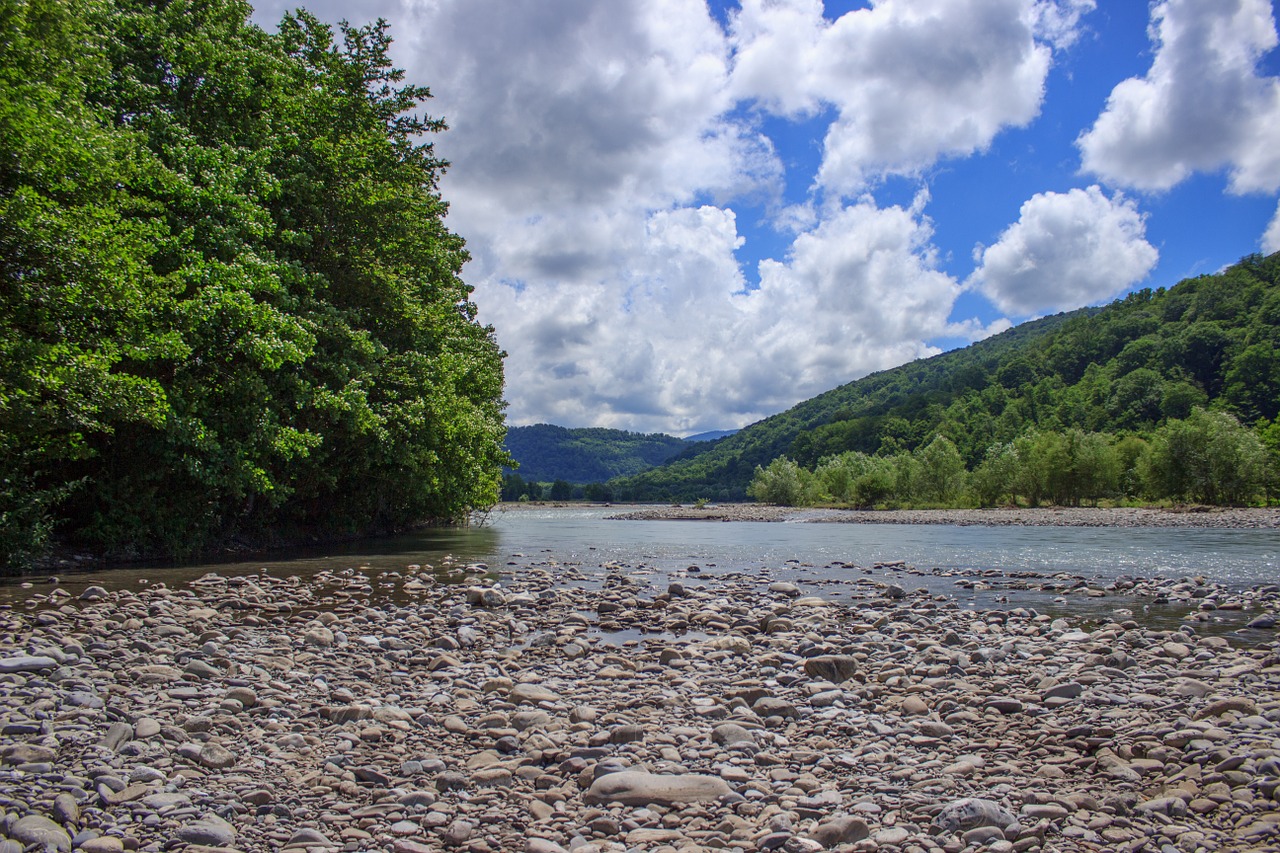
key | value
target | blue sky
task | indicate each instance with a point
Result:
(686, 216)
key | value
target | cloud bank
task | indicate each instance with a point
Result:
(603, 156)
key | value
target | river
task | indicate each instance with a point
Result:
(832, 560)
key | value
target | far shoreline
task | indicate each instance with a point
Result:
(1218, 518)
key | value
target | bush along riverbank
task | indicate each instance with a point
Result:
(393, 713)
(1201, 517)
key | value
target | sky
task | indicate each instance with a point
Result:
(687, 216)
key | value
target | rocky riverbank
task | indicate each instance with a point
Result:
(1205, 517)
(398, 713)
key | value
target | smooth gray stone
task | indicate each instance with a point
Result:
(26, 663)
(212, 831)
(971, 813)
(38, 829)
(311, 837)
(834, 668)
(117, 734)
(635, 788)
(729, 733)
(532, 694)
(841, 829)
(1069, 690)
(542, 845)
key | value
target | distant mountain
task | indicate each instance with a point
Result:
(713, 435)
(547, 453)
(1123, 369)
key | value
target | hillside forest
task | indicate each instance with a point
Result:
(231, 312)
(582, 457)
(1165, 395)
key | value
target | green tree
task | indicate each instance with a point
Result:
(992, 480)
(1201, 349)
(1208, 457)
(1269, 435)
(940, 471)
(1130, 452)
(855, 479)
(230, 306)
(1253, 383)
(783, 483)
(1179, 398)
(598, 492)
(1135, 398)
(1038, 453)
(1093, 467)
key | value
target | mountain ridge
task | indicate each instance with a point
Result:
(1123, 368)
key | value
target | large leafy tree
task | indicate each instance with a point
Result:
(230, 304)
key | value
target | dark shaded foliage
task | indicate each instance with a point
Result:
(589, 455)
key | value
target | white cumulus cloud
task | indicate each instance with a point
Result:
(911, 81)
(1202, 106)
(1065, 251)
(1271, 239)
(600, 153)
(684, 343)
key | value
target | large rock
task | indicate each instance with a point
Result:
(971, 813)
(210, 830)
(635, 788)
(319, 636)
(834, 668)
(532, 694)
(1238, 704)
(726, 734)
(38, 829)
(216, 757)
(772, 706)
(26, 663)
(841, 829)
(480, 596)
(27, 753)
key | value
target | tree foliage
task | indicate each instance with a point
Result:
(230, 306)
(783, 483)
(1208, 458)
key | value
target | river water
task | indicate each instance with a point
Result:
(832, 560)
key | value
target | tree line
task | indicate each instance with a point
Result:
(516, 488)
(1206, 458)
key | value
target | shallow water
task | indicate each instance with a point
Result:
(836, 561)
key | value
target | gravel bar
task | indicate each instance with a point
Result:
(397, 712)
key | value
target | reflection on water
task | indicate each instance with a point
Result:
(837, 561)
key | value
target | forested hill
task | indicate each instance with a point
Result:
(590, 455)
(1126, 368)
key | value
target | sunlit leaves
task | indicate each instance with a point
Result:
(230, 305)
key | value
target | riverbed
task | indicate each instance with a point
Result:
(974, 564)
(641, 690)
